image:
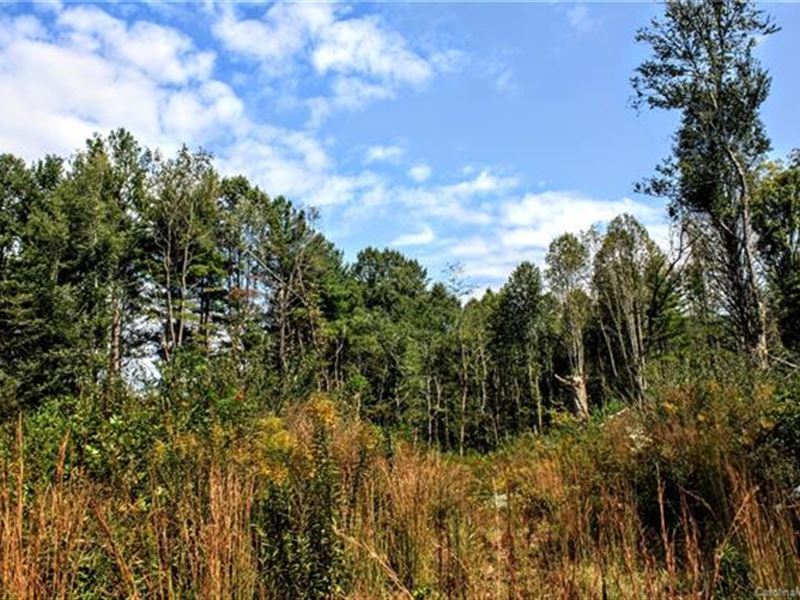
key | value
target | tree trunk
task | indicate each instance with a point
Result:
(580, 397)
(115, 362)
(758, 339)
(537, 397)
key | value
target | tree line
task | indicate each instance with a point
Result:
(123, 271)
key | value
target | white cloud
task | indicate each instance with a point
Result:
(62, 83)
(504, 82)
(474, 246)
(537, 218)
(391, 153)
(456, 203)
(499, 72)
(91, 72)
(423, 237)
(283, 32)
(485, 183)
(522, 229)
(361, 59)
(420, 172)
(342, 189)
(159, 52)
(348, 93)
(449, 61)
(22, 27)
(294, 164)
(192, 113)
(361, 46)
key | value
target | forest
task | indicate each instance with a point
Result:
(200, 398)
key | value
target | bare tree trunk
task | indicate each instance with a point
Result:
(115, 363)
(184, 292)
(537, 396)
(429, 406)
(464, 395)
(169, 326)
(438, 408)
(483, 377)
(580, 398)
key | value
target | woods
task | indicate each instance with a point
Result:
(119, 265)
(200, 397)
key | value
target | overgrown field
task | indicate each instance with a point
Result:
(200, 397)
(688, 497)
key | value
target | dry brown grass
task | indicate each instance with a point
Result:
(562, 519)
(43, 536)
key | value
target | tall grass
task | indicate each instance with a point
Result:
(43, 534)
(657, 503)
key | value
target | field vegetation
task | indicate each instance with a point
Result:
(200, 398)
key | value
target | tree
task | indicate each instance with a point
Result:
(181, 217)
(115, 169)
(777, 221)
(516, 328)
(636, 296)
(437, 342)
(568, 271)
(298, 269)
(243, 314)
(386, 330)
(69, 272)
(19, 189)
(703, 65)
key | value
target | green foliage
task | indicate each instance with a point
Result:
(703, 64)
(638, 303)
(162, 327)
(298, 551)
(777, 221)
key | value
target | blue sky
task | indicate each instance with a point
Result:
(469, 133)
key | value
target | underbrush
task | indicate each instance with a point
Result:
(688, 497)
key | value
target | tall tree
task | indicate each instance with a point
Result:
(393, 289)
(516, 330)
(636, 296)
(568, 272)
(19, 189)
(181, 218)
(115, 171)
(777, 221)
(703, 65)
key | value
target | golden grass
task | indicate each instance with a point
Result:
(544, 519)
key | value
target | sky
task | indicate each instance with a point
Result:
(458, 133)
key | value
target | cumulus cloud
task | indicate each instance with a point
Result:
(420, 172)
(485, 182)
(536, 219)
(296, 165)
(391, 153)
(522, 229)
(362, 46)
(470, 247)
(80, 70)
(467, 201)
(362, 60)
(284, 30)
(457, 202)
(159, 52)
(90, 72)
